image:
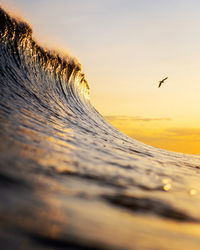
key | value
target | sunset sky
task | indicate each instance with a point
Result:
(125, 48)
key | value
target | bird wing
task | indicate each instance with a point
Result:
(162, 81)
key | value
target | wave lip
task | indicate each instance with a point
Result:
(36, 62)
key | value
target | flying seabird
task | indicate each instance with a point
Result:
(160, 82)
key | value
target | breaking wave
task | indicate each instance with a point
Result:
(68, 178)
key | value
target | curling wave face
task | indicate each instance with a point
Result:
(68, 178)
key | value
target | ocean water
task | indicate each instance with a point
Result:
(68, 179)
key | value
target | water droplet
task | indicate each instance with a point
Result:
(193, 191)
(166, 180)
(167, 187)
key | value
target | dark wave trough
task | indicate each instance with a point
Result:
(68, 179)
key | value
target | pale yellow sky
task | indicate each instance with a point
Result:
(125, 48)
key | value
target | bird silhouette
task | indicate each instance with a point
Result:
(160, 82)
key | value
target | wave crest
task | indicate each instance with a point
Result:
(18, 47)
